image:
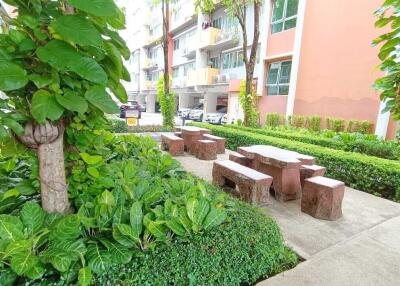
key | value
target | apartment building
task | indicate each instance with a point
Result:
(318, 60)
(315, 58)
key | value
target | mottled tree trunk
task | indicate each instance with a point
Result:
(165, 15)
(48, 140)
(53, 184)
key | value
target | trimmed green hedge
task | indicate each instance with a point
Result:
(240, 252)
(370, 174)
(368, 147)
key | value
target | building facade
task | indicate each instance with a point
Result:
(314, 58)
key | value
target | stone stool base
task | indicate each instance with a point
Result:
(322, 198)
(309, 171)
(206, 150)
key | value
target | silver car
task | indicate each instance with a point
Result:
(217, 117)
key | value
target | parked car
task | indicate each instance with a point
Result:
(225, 119)
(184, 113)
(196, 114)
(216, 117)
(133, 105)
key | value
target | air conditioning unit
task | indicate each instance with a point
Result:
(222, 78)
(214, 79)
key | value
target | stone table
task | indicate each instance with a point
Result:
(282, 165)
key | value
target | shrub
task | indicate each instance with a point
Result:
(298, 121)
(364, 127)
(313, 123)
(335, 124)
(239, 252)
(274, 119)
(149, 128)
(369, 174)
(118, 126)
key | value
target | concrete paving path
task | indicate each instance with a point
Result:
(360, 249)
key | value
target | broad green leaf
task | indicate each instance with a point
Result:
(11, 228)
(67, 228)
(120, 254)
(201, 212)
(25, 188)
(26, 45)
(17, 36)
(32, 216)
(44, 105)
(64, 57)
(91, 160)
(7, 277)
(10, 193)
(98, 96)
(22, 262)
(36, 271)
(176, 227)
(72, 101)
(29, 21)
(93, 172)
(99, 258)
(12, 76)
(61, 254)
(107, 198)
(191, 205)
(125, 235)
(40, 80)
(119, 91)
(84, 276)
(101, 8)
(14, 126)
(19, 246)
(136, 218)
(158, 229)
(152, 196)
(214, 218)
(115, 56)
(67, 26)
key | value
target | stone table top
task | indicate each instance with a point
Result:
(271, 154)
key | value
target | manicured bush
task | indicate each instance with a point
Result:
(298, 121)
(242, 251)
(274, 119)
(354, 142)
(335, 124)
(313, 123)
(369, 174)
(149, 128)
(118, 126)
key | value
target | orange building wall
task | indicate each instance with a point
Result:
(280, 43)
(337, 62)
(268, 104)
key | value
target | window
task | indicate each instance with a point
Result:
(187, 68)
(232, 60)
(278, 79)
(215, 62)
(217, 23)
(176, 45)
(175, 72)
(284, 15)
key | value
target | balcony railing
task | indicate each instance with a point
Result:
(213, 38)
(202, 76)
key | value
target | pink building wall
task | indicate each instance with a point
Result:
(337, 62)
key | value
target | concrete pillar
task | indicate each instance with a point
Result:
(201, 56)
(210, 102)
(382, 122)
(185, 100)
(151, 103)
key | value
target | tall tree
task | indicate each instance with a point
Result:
(389, 17)
(57, 61)
(238, 10)
(166, 97)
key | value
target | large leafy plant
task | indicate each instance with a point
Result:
(389, 17)
(58, 63)
(141, 199)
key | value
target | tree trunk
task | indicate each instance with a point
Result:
(53, 184)
(48, 140)
(165, 10)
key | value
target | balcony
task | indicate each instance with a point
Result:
(189, 51)
(202, 76)
(213, 38)
(149, 64)
(179, 82)
(147, 85)
(220, 79)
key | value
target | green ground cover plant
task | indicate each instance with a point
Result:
(366, 173)
(354, 142)
(134, 208)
